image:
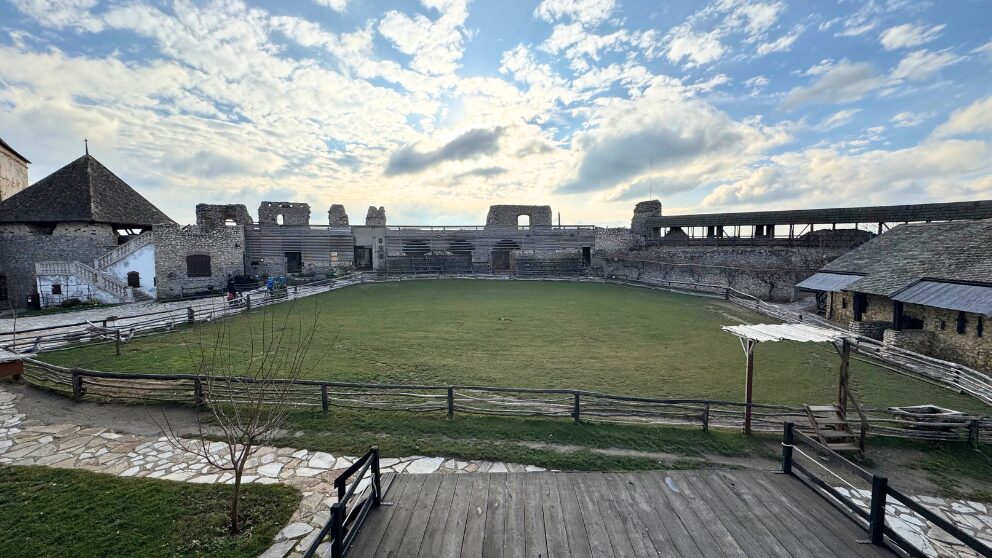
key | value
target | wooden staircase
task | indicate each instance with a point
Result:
(832, 429)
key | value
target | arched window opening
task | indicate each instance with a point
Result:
(279, 219)
(416, 248)
(230, 223)
(198, 265)
(523, 220)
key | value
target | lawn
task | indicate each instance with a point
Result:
(609, 338)
(60, 512)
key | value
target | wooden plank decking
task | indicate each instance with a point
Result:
(699, 514)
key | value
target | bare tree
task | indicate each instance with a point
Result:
(245, 388)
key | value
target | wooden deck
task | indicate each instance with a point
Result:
(702, 514)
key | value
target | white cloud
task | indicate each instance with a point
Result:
(909, 35)
(336, 5)
(60, 14)
(586, 12)
(781, 44)
(435, 45)
(976, 117)
(921, 64)
(698, 49)
(910, 119)
(842, 82)
(945, 170)
(985, 50)
(837, 119)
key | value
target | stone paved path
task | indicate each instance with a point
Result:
(28, 441)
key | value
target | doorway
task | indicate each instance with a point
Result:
(294, 262)
(133, 279)
(363, 258)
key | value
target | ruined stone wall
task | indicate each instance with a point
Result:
(292, 213)
(211, 216)
(642, 211)
(337, 216)
(22, 245)
(375, 216)
(225, 246)
(13, 174)
(766, 272)
(615, 241)
(506, 215)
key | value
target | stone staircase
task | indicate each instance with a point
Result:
(124, 250)
(93, 277)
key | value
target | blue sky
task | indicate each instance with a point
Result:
(438, 108)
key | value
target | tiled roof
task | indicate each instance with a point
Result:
(868, 215)
(957, 251)
(84, 190)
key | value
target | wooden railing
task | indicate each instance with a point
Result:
(453, 400)
(873, 519)
(87, 274)
(347, 516)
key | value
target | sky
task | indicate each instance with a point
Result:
(438, 108)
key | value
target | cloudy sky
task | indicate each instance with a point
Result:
(438, 108)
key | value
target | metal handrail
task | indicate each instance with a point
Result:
(872, 520)
(343, 525)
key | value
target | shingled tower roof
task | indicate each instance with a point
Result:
(84, 190)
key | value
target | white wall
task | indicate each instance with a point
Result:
(72, 287)
(142, 261)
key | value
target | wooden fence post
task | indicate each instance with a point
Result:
(876, 515)
(337, 530)
(77, 386)
(117, 343)
(451, 402)
(706, 417)
(788, 439)
(248, 302)
(973, 433)
(190, 315)
(323, 397)
(575, 408)
(198, 391)
(376, 480)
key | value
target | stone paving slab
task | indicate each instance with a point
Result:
(27, 441)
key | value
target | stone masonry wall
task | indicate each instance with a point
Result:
(212, 215)
(375, 216)
(506, 215)
(13, 174)
(766, 272)
(292, 213)
(642, 211)
(225, 246)
(337, 216)
(23, 245)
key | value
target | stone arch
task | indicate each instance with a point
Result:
(461, 247)
(133, 279)
(416, 248)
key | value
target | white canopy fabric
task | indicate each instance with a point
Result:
(787, 332)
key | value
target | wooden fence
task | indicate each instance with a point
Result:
(454, 400)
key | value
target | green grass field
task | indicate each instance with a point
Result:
(61, 512)
(609, 338)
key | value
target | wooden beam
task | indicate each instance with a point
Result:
(845, 364)
(748, 383)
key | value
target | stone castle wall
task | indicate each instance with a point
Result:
(22, 245)
(214, 215)
(292, 213)
(506, 215)
(13, 174)
(375, 216)
(225, 246)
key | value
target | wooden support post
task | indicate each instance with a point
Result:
(198, 391)
(248, 302)
(323, 398)
(788, 440)
(973, 433)
(706, 417)
(190, 315)
(749, 383)
(117, 343)
(77, 386)
(876, 514)
(575, 407)
(845, 366)
(451, 402)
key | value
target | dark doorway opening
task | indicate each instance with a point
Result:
(501, 254)
(363, 258)
(586, 256)
(133, 279)
(294, 262)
